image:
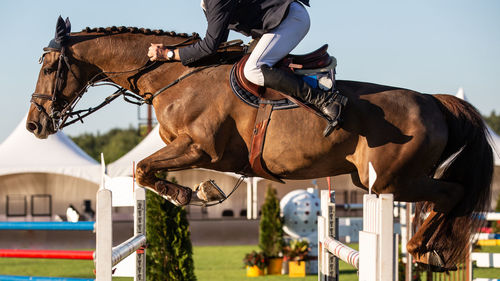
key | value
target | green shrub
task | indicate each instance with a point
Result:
(271, 225)
(169, 254)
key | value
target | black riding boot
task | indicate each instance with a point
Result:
(327, 103)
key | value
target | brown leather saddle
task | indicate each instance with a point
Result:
(315, 60)
(266, 98)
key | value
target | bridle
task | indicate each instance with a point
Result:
(56, 96)
(61, 110)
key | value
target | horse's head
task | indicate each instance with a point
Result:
(59, 84)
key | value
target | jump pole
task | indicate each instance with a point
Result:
(47, 254)
(47, 225)
(107, 256)
(377, 256)
(33, 278)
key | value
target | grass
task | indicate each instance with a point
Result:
(211, 263)
(492, 273)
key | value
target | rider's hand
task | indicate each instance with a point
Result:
(157, 52)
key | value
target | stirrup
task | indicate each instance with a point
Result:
(330, 127)
(332, 124)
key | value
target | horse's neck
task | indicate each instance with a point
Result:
(120, 55)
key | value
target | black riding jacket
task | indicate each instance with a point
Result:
(249, 17)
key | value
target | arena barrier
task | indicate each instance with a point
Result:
(376, 259)
(107, 256)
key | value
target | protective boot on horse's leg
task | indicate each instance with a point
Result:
(180, 153)
(328, 104)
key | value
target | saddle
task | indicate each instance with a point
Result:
(316, 68)
(318, 61)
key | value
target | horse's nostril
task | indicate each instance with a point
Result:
(31, 126)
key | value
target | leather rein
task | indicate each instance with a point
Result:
(61, 110)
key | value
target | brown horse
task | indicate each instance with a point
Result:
(406, 135)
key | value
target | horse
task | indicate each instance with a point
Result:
(429, 149)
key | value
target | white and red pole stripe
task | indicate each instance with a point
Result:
(47, 254)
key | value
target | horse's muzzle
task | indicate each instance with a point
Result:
(40, 131)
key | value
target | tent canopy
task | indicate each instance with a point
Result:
(22, 152)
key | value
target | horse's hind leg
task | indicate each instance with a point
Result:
(182, 153)
(436, 241)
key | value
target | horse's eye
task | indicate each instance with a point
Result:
(48, 71)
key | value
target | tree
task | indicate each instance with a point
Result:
(493, 121)
(169, 252)
(114, 144)
(271, 225)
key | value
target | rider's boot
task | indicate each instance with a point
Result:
(328, 104)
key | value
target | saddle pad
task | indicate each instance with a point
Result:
(253, 100)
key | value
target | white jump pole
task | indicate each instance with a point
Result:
(104, 230)
(107, 256)
(377, 256)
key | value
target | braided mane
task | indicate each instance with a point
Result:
(146, 31)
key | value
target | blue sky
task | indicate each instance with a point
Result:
(430, 46)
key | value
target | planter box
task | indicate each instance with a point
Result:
(274, 267)
(297, 268)
(254, 271)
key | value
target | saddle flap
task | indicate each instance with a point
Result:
(259, 91)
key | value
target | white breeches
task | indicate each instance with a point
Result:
(277, 43)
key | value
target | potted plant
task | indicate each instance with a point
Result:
(296, 252)
(271, 232)
(255, 263)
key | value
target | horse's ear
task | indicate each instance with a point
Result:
(63, 28)
(68, 26)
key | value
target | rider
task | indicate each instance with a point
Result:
(280, 25)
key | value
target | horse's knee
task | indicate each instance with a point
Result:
(413, 246)
(143, 173)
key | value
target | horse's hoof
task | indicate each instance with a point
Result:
(208, 191)
(176, 194)
(435, 263)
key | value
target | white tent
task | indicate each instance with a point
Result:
(22, 152)
(494, 140)
(55, 167)
(123, 166)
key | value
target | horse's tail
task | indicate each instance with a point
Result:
(468, 161)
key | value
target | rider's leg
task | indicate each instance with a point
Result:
(275, 45)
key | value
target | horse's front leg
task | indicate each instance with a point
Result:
(182, 153)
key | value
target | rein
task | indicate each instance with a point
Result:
(120, 91)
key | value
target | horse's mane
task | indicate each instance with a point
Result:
(224, 56)
(145, 31)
